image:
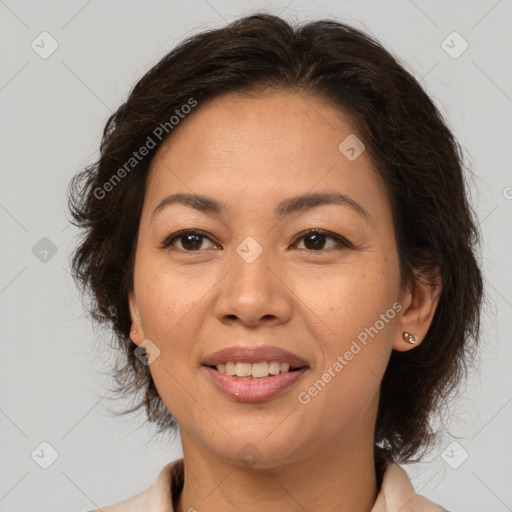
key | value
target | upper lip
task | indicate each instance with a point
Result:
(250, 354)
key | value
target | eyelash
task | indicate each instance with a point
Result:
(342, 242)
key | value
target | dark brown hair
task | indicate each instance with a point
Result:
(414, 152)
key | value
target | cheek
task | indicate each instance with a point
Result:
(350, 298)
(171, 305)
(357, 312)
(164, 295)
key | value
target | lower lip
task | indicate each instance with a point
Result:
(254, 390)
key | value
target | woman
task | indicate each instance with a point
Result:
(278, 231)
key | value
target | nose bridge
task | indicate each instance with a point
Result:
(252, 290)
(250, 271)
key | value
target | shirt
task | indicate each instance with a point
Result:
(396, 493)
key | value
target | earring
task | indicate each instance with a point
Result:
(410, 338)
(135, 330)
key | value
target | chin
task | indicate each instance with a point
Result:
(251, 448)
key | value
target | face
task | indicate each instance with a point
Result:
(248, 274)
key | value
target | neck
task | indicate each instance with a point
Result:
(340, 478)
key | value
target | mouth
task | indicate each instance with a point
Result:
(254, 374)
(260, 370)
(251, 361)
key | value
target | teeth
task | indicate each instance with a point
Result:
(254, 370)
(274, 367)
(259, 369)
(243, 369)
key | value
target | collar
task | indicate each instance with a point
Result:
(396, 494)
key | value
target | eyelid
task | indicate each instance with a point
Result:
(342, 242)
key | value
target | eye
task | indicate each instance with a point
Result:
(191, 240)
(314, 240)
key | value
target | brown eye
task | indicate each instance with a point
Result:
(190, 240)
(315, 240)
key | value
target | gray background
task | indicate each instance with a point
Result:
(53, 380)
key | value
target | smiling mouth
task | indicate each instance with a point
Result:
(261, 370)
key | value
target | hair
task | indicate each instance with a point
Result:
(409, 143)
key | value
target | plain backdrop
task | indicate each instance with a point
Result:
(53, 110)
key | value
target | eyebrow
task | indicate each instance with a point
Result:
(287, 207)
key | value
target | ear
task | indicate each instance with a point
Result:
(138, 336)
(419, 302)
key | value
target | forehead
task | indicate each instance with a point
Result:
(280, 122)
(273, 145)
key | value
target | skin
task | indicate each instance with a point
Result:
(251, 153)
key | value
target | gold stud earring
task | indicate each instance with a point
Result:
(135, 330)
(410, 338)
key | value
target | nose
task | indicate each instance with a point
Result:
(254, 293)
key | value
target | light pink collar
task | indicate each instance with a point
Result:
(396, 494)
